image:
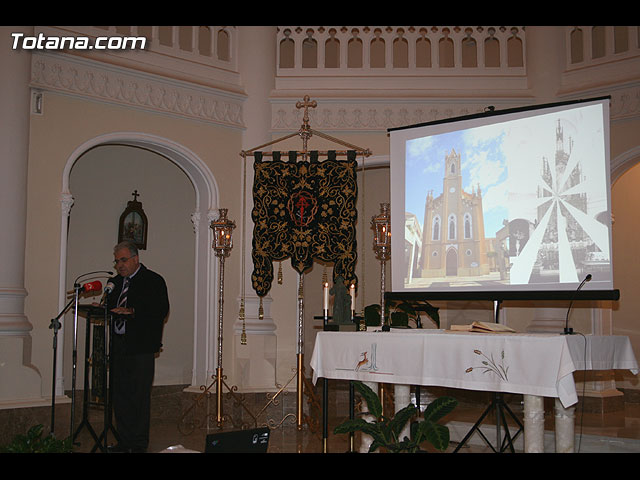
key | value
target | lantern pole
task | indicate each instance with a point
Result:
(381, 224)
(222, 245)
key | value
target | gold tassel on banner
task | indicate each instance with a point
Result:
(243, 335)
(261, 311)
(280, 274)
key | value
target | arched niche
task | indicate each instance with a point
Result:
(205, 262)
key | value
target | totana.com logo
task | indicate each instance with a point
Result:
(43, 42)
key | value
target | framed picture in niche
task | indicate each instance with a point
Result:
(133, 223)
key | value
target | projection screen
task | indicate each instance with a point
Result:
(512, 200)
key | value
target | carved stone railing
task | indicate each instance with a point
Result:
(438, 64)
(205, 55)
(604, 60)
(596, 45)
(185, 71)
(362, 57)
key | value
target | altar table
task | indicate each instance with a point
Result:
(535, 365)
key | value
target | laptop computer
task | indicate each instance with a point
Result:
(238, 441)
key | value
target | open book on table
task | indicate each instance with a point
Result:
(481, 327)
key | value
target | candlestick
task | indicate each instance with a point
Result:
(325, 304)
(352, 292)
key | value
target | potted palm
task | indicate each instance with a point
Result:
(386, 431)
(34, 442)
(400, 312)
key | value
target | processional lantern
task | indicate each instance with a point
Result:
(222, 245)
(382, 233)
(381, 224)
(222, 234)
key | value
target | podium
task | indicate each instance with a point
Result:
(97, 362)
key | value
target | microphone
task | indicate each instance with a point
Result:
(90, 287)
(567, 330)
(108, 288)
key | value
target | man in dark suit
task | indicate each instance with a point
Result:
(139, 303)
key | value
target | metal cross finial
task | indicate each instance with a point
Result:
(135, 195)
(306, 104)
(305, 130)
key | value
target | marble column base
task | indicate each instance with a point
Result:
(533, 424)
(402, 398)
(565, 428)
(367, 440)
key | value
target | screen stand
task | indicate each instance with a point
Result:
(501, 409)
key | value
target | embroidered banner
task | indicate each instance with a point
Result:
(306, 211)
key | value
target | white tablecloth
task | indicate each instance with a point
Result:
(533, 364)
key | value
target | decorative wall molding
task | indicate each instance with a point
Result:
(348, 115)
(94, 80)
(378, 115)
(625, 102)
(88, 79)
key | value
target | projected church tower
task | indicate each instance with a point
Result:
(453, 242)
(567, 242)
(548, 260)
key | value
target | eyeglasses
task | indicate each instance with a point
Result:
(122, 260)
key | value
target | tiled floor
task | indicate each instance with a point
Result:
(611, 432)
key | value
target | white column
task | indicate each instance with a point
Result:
(565, 428)
(402, 398)
(533, 424)
(17, 379)
(255, 362)
(545, 61)
(367, 440)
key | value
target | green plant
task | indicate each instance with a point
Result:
(386, 431)
(33, 442)
(399, 312)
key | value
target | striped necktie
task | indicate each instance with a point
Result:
(122, 302)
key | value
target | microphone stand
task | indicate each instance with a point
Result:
(567, 330)
(74, 362)
(74, 359)
(55, 325)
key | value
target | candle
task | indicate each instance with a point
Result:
(352, 292)
(325, 304)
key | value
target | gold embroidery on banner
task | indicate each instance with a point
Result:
(305, 211)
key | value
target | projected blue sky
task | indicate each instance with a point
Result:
(505, 161)
(483, 165)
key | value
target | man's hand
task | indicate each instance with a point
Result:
(122, 311)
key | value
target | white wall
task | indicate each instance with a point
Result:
(102, 182)
(65, 125)
(626, 262)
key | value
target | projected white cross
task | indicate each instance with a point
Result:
(523, 264)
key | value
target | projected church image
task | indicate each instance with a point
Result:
(453, 240)
(523, 202)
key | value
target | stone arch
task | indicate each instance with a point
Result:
(207, 202)
(624, 162)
